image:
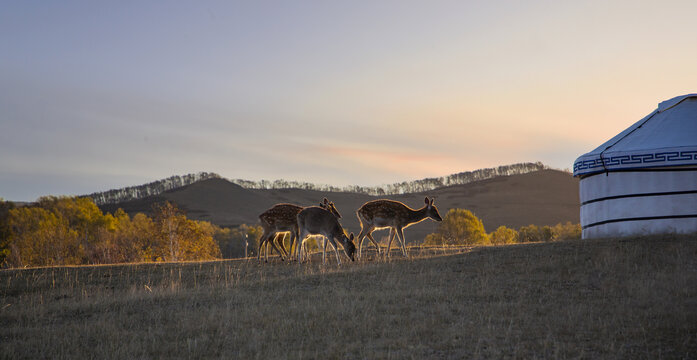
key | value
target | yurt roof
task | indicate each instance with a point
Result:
(666, 137)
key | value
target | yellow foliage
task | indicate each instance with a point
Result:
(72, 231)
(567, 231)
(503, 235)
(459, 227)
(182, 239)
(40, 237)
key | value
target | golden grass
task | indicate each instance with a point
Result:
(632, 298)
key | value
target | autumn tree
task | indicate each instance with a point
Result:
(169, 224)
(131, 240)
(459, 227)
(546, 233)
(180, 238)
(73, 231)
(503, 235)
(567, 231)
(40, 237)
(533, 233)
(5, 231)
(199, 243)
(530, 233)
(86, 219)
(141, 234)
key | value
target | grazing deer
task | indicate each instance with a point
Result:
(382, 214)
(318, 221)
(282, 218)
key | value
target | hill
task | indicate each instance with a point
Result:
(593, 299)
(544, 197)
(405, 187)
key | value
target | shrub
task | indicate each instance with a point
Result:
(459, 227)
(503, 235)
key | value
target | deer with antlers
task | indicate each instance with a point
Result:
(281, 219)
(383, 214)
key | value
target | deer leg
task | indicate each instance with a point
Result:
(261, 243)
(298, 239)
(272, 240)
(266, 247)
(389, 242)
(400, 234)
(332, 242)
(269, 240)
(324, 250)
(265, 244)
(290, 249)
(305, 252)
(293, 237)
(292, 241)
(299, 249)
(301, 241)
(377, 247)
(262, 240)
(281, 239)
(364, 231)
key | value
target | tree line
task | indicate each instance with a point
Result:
(462, 227)
(405, 187)
(74, 231)
(154, 188)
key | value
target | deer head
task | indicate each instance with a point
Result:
(349, 247)
(431, 210)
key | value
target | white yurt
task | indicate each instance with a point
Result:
(644, 180)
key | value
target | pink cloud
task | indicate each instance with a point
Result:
(406, 162)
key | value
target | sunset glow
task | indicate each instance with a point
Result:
(94, 97)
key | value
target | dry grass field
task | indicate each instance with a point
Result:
(630, 298)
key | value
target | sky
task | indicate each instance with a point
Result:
(100, 95)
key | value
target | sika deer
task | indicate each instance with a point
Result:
(382, 214)
(318, 221)
(282, 218)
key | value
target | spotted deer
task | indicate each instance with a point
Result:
(383, 214)
(317, 221)
(283, 218)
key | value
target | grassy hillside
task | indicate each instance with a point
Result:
(631, 298)
(543, 197)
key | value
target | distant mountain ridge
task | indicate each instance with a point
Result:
(150, 189)
(406, 187)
